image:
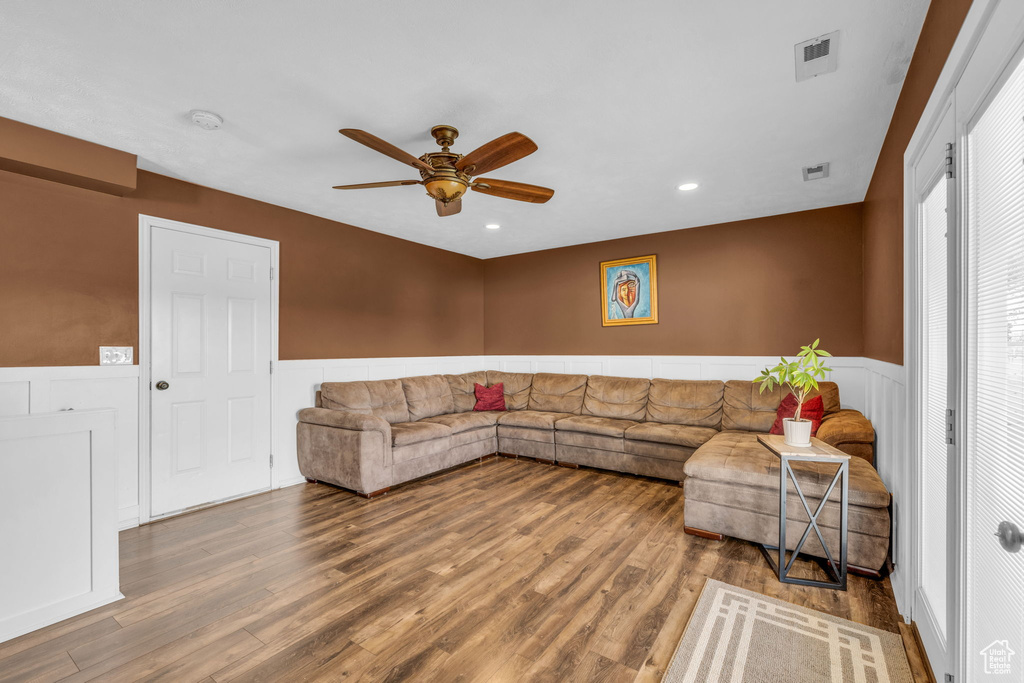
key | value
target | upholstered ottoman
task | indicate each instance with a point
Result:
(732, 489)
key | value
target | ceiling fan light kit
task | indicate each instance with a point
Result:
(447, 176)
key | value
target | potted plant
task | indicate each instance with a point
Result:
(801, 376)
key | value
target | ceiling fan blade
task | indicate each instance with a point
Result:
(386, 148)
(497, 153)
(365, 186)
(449, 209)
(510, 190)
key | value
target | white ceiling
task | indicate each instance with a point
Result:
(625, 100)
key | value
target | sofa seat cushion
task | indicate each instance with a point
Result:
(464, 422)
(738, 458)
(661, 451)
(405, 433)
(533, 419)
(680, 435)
(602, 426)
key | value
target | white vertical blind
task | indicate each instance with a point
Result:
(934, 395)
(995, 375)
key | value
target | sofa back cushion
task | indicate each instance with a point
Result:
(427, 396)
(558, 393)
(461, 387)
(695, 403)
(829, 392)
(383, 398)
(622, 398)
(517, 387)
(748, 409)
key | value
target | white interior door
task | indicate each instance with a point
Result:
(994, 383)
(210, 340)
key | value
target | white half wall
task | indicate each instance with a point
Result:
(59, 538)
(25, 391)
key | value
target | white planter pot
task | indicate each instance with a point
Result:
(797, 433)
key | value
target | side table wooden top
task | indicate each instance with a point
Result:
(818, 449)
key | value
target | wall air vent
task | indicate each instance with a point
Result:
(817, 56)
(816, 172)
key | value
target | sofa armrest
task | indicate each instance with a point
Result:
(351, 450)
(343, 420)
(850, 432)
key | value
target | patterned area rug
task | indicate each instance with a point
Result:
(737, 636)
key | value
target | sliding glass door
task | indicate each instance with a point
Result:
(994, 419)
(965, 211)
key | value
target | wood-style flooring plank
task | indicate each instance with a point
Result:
(506, 570)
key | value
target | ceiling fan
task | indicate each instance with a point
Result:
(447, 175)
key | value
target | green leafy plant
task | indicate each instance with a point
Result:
(800, 375)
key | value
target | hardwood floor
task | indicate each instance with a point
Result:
(501, 571)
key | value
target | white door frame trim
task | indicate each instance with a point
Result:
(146, 225)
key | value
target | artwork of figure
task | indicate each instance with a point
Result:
(629, 291)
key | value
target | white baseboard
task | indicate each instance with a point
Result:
(293, 481)
(127, 517)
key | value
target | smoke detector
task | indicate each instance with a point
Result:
(817, 56)
(816, 172)
(206, 120)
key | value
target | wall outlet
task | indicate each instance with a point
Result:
(115, 355)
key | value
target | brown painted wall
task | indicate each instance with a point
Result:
(69, 276)
(714, 299)
(883, 204)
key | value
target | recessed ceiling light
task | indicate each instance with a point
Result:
(686, 187)
(492, 226)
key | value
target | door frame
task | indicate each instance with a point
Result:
(919, 176)
(146, 226)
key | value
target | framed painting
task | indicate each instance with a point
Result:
(629, 291)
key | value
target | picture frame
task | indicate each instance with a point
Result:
(629, 291)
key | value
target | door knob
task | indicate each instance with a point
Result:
(1010, 537)
(161, 385)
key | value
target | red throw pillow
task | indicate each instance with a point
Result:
(492, 398)
(812, 410)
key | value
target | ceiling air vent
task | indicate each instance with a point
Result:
(817, 56)
(816, 172)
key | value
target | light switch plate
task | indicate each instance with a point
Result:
(115, 355)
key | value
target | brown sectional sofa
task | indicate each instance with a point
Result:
(370, 436)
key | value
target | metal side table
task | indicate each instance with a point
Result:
(819, 451)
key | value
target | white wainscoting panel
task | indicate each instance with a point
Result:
(885, 404)
(59, 538)
(48, 389)
(873, 387)
(848, 372)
